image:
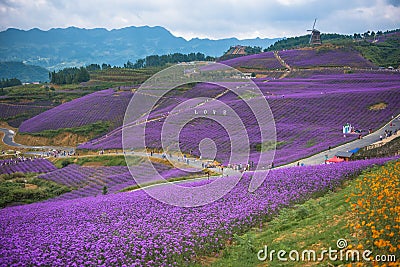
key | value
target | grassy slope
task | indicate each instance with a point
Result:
(317, 224)
(104, 160)
(27, 188)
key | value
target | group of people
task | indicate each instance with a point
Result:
(59, 153)
(17, 160)
(388, 133)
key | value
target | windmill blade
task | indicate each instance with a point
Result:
(310, 38)
(313, 27)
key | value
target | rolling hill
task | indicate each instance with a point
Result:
(59, 48)
(319, 84)
(381, 49)
(23, 72)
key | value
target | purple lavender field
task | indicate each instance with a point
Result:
(265, 60)
(132, 229)
(342, 57)
(312, 93)
(89, 181)
(106, 106)
(39, 165)
(309, 113)
(16, 114)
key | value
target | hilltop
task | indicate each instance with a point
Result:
(381, 48)
(23, 72)
(60, 48)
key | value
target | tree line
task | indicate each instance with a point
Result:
(69, 75)
(9, 82)
(157, 61)
(78, 75)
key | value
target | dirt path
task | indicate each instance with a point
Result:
(284, 64)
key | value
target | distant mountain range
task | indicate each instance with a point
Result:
(23, 72)
(59, 48)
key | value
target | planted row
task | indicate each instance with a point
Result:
(135, 230)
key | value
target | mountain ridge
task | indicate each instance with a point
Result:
(65, 47)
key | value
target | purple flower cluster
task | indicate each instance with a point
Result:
(11, 110)
(132, 229)
(306, 58)
(265, 60)
(384, 37)
(16, 114)
(25, 165)
(89, 181)
(106, 105)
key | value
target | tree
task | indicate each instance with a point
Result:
(105, 66)
(9, 83)
(93, 67)
(65, 163)
(140, 63)
(70, 75)
(105, 190)
(128, 65)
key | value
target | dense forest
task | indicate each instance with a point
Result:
(70, 75)
(9, 82)
(157, 61)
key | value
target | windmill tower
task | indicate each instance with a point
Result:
(315, 38)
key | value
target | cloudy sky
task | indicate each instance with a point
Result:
(206, 18)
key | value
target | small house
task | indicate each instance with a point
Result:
(344, 155)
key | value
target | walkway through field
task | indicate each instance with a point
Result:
(284, 64)
(367, 140)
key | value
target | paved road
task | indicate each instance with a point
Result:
(358, 143)
(196, 163)
(8, 139)
(191, 162)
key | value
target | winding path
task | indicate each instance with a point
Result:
(284, 64)
(8, 139)
(367, 140)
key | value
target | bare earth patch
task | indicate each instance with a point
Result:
(31, 186)
(62, 139)
(378, 106)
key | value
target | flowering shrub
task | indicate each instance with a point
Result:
(376, 204)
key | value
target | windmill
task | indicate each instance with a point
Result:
(315, 38)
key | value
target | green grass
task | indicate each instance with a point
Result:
(127, 76)
(317, 224)
(104, 160)
(269, 145)
(27, 188)
(91, 130)
(310, 143)
(182, 178)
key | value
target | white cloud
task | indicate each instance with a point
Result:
(208, 18)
